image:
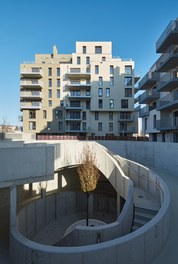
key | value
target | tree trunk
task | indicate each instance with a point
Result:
(87, 213)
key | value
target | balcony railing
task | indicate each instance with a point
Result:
(163, 41)
(148, 96)
(167, 123)
(148, 80)
(31, 83)
(30, 105)
(168, 60)
(33, 72)
(32, 94)
(168, 82)
(168, 102)
(145, 111)
(78, 73)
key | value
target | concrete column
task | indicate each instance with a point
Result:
(13, 205)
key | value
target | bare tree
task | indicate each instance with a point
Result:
(4, 128)
(88, 174)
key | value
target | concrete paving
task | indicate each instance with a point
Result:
(170, 252)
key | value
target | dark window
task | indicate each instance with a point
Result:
(58, 71)
(32, 114)
(87, 104)
(50, 103)
(98, 49)
(110, 126)
(60, 125)
(84, 126)
(154, 121)
(50, 71)
(87, 60)
(96, 115)
(84, 115)
(128, 92)
(128, 69)
(50, 93)
(84, 49)
(111, 69)
(111, 81)
(96, 69)
(58, 82)
(100, 103)
(58, 114)
(128, 81)
(50, 82)
(44, 114)
(58, 93)
(78, 60)
(110, 116)
(124, 103)
(100, 126)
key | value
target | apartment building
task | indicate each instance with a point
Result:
(160, 114)
(85, 93)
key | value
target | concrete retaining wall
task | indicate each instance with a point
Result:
(161, 155)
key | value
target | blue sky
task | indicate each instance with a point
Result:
(29, 27)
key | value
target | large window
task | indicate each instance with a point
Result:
(100, 126)
(100, 92)
(96, 115)
(125, 115)
(111, 103)
(128, 92)
(124, 103)
(98, 49)
(84, 49)
(100, 83)
(58, 114)
(78, 60)
(87, 60)
(58, 71)
(111, 81)
(111, 69)
(96, 69)
(128, 81)
(50, 82)
(123, 126)
(107, 92)
(32, 125)
(100, 103)
(50, 71)
(128, 69)
(32, 114)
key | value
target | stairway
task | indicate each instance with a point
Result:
(142, 216)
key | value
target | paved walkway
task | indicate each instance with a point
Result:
(170, 252)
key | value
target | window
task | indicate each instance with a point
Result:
(128, 81)
(88, 70)
(111, 69)
(111, 81)
(98, 49)
(74, 115)
(154, 121)
(103, 58)
(58, 71)
(58, 114)
(58, 82)
(100, 92)
(50, 82)
(110, 116)
(107, 92)
(48, 126)
(84, 126)
(123, 126)
(87, 60)
(96, 115)
(62, 103)
(50, 93)
(78, 60)
(99, 126)
(100, 103)
(125, 115)
(110, 126)
(50, 103)
(111, 103)
(58, 93)
(128, 69)
(60, 125)
(100, 83)
(44, 114)
(124, 103)
(87, 104)
(84, 50)
(32, 114)
(128, 92)
(84, 116)
(50, 71)
(32, 125)
(96, 69)
(87, 92)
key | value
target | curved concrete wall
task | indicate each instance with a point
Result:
(143, 245)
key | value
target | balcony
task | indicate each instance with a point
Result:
(168, 82)
(148, 96)
(31, 73)
(31, 84)
(148, 81)
(74, 95)
(75, 84)
(168, 37)
(168, 102)
(145, 111)
(168, 61)
(167, 124)
(31, 95)
(73, 106)
(30, 105)
(126, 119)
(77, 73)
